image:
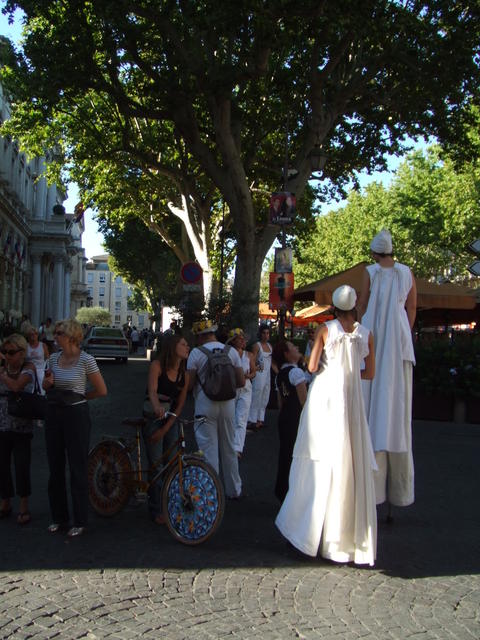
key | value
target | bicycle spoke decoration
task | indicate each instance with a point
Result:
(109, 478)
(195, 516)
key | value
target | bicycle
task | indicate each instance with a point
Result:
(193, 498)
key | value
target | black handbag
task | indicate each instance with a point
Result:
(26, 405)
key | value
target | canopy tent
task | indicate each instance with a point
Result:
(314, 313)
(436, 303)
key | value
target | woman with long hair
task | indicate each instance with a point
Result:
(166, 391)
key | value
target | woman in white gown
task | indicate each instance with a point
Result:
(331, 498)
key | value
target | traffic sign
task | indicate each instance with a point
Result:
(474, 268)
(191, 273)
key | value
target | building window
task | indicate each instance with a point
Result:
(101, 277)
(117, 319)
(90, 292)
(101, 303)
(101, 291)
(118, 280)
(118, 305)
(90, 278)
(141, 321)
(118, 292)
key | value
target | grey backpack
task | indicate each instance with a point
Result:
(218, 375)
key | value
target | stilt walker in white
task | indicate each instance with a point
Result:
(387, 307)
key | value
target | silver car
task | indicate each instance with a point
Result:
(106, 342)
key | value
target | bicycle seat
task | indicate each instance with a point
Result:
(134, 422)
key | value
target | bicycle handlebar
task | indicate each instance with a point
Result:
(183, 421)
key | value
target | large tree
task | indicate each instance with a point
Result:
(431, 208)
(349, 81)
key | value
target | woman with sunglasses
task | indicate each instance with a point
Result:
(67, 426)
(15, 433)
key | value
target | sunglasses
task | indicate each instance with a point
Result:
(10, 352)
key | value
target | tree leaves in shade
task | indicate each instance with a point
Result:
(431, 209)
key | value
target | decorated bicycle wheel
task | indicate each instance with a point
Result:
(195, 516)
(110, 474)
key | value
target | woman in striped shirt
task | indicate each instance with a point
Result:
(67, 426)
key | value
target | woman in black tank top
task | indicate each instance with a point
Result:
(167, 391)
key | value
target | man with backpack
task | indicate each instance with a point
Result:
(215, 373)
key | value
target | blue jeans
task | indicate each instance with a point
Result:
(154, 451)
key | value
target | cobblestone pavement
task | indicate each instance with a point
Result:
(127, 577)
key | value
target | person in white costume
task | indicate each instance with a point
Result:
(388, 303)
(238, 340)
(330, 504)
(262, 352)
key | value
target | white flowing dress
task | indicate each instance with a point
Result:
(331, 499)
(388, 397)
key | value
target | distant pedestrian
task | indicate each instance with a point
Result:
(262, 352)
(46, 334)
(388, 303)
(135, 338)
(37, 352)
(238, 340)
(216, 436)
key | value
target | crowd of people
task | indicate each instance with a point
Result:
(344, 422)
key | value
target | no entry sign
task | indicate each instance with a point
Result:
(191, 273)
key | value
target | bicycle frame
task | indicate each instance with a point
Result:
(178, 445)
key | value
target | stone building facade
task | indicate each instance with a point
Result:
(42, 262)
(107, 290)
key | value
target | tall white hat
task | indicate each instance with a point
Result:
(382, 242)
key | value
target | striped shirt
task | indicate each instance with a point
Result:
(74, 377)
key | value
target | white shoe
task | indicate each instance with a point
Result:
(75, 531)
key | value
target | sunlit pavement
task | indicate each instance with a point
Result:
(127, 577)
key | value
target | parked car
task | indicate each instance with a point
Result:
(106, 342)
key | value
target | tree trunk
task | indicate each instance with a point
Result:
(251, 251)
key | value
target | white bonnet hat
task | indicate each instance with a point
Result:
(344, 298)
(382, 242)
